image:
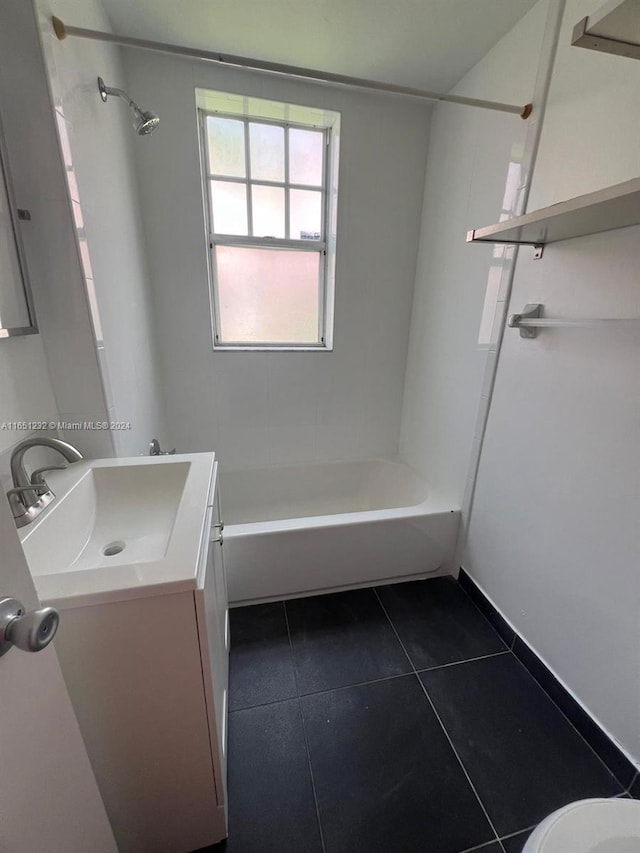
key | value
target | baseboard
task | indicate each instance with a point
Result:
(600, 742)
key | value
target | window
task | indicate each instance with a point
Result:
(271, 199)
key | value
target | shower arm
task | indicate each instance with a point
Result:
(119, 93)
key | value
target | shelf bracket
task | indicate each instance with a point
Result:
(531, 311)
(538, 248)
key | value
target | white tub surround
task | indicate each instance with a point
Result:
(108, 222)
(277, 408)
(301, 529)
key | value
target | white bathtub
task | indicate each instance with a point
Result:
(301, 529)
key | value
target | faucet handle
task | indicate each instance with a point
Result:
(40, 488)
(28, 508)
(36, 477)
(18, 508)
(156, 450)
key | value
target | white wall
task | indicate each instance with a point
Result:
(268, 408)
(62, 359)
(470, 154)
(25, 387)
(554, 537)
(26, 395)
(99, 148)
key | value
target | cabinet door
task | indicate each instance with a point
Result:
(217, 537)
(211, 609)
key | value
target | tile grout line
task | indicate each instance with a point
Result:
(304, 730)
(511, 648)
(322, 692)
(466, 660)
(571, 723)
(446, 733)
(355, 684)
(502, 838)
(480, 847)
(371, 681)
(519, 832)
(263, 704)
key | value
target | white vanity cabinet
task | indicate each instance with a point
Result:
(148, 679)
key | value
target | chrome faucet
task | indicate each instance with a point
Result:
(29, 497)
(156, 450)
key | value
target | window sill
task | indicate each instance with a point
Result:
(271, 349)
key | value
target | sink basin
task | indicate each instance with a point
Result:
(120, 525)
(111, 516)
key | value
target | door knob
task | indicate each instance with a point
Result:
(31, 631)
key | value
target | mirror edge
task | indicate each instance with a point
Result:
(32, 328)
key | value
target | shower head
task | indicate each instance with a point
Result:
(144, 122)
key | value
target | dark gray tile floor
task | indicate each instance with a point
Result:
(342, 639)
(384, 773)
(391, 721)
(436, 623)
(523, 756)
(261, 668)
(515, 843)
(271, 782)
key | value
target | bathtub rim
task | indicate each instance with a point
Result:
(430, 506)
(425, 496)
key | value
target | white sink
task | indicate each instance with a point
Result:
(118, 526)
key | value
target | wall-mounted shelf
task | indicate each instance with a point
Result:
(604, 210)
(615, 28)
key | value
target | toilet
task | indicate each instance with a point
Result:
(589, 826)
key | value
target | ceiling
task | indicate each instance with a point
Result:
(424, 43)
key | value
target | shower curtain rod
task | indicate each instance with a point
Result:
(63, 30)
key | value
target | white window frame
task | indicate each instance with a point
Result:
(325, 246)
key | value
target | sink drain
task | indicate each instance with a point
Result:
(113, 548)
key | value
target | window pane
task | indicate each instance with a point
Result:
(229, 207)
(266, 142)
(268, 211)
(226, 146)
(305, 215)
(267, 295)
(305, 157)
